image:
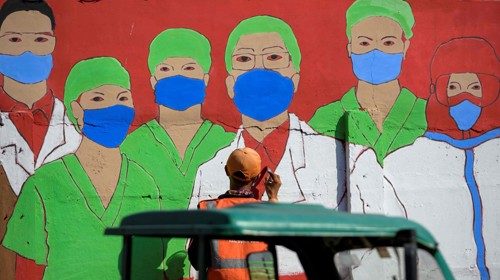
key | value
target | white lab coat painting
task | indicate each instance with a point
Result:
(311, 170)
(427, 182)
(16, 156)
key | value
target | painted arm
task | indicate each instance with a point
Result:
(26, 233)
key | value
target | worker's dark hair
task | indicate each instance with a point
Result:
(12, 6)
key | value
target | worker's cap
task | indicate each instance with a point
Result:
(243, 164)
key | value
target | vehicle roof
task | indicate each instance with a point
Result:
(269, 219)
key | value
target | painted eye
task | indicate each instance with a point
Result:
(243, 58)
(364, 44)
(189, 68)
(164, 69)
(123, 98)
(97, 99)
(388, 43)
(274, 57)
(15, 39)
(452, 87)
(476, 87)
(41, 39)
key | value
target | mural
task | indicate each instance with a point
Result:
(173, 146)
(459, 155)
(138, 110)
(34, 128)
(263, 63)
(50, 223)
(378, 113)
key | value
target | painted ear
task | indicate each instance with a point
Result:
(206, 78)
(349, 49)
(432, 88)
(77, 113)
(225, 169)
(295, 80)
(153, 81)
(406, 46)
(230, 86)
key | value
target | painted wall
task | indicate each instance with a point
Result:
(373, 107)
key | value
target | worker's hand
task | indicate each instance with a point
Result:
(273, 184)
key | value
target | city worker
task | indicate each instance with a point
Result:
(63, 209)
(173, 146)
(243, 168)
(377, 113)
(34, 129)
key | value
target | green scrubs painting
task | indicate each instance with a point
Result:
(59, 222)
(64, 208)
(378, 113)
(172, 147)
(346, 120)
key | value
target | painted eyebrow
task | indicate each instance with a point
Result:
(473, 83)
(457, 84)
(44, 33)
(386, 37)
(36, 33)
(273, 47)
(165, 64)
(125, 91)
(98, 92)
(244, 49)
(365, 37)
(189, 63)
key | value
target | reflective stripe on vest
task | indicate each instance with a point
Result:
(217, 261)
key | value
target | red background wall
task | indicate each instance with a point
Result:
(125, 28)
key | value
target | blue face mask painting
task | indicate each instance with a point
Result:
(107, 126)
(465, 114)
(262, 94)
(180, 92)
(377, 67)
(27, 68)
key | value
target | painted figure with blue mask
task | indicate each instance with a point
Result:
(263, 72)
(262, 80)
(95, 187)
(172, 146)
(33, 119)
(378, 112)
(463, 116)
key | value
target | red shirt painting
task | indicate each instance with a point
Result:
(271, 149)
(32, 123)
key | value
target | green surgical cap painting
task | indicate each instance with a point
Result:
(90, 74)
(179, 42)
(263, 24)
(397, 10)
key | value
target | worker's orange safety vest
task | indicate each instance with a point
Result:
(229, 257)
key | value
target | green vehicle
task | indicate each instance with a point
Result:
(329, 244)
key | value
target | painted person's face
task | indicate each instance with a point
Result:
(377, 50)
(179, 83)
(26, 45)
(104, 114)
(173, 66)
(464, 92)
(464, 83)
(263, 79)
(25, 31)
(380, 33)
